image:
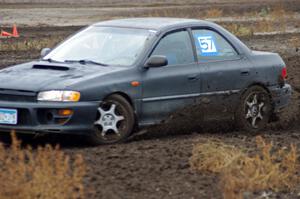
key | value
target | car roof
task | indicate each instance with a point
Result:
(163, 24)
(152, 23)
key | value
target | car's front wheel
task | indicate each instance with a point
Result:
(254, 110)
(114, 121)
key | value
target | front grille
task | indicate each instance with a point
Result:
(24, 117)
(17, 96)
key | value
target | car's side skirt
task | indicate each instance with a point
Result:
(151, 99)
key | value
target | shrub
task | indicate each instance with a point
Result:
(268, 169)
(45, 173)
(213, 156)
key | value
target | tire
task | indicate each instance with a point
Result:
(113, 125)
(253, 115)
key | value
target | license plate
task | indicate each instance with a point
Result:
(8, 116)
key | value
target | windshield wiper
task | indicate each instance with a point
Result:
(86, 61)
(51, 60)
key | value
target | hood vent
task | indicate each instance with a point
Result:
(50, 67)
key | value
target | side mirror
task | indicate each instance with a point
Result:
(45, 51)
(156, 61)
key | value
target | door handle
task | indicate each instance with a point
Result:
(245, 72)
(192, 77)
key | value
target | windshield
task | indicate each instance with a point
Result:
(104, 45)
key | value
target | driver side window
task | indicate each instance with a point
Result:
(176, 47)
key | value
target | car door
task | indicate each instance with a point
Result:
(169, 88)
(225, 71)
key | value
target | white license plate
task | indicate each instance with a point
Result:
(8, 116)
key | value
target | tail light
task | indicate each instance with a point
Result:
(283, 76)
(284, 73)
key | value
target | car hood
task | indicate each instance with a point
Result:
(41, 75)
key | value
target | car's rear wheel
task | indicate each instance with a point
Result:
(114, 121)
(254, 110)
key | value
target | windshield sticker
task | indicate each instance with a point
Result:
(207, 45)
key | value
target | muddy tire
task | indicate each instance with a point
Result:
(114, 121)
(254, 110)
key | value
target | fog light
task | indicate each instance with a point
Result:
(49, 116)
(65, 112)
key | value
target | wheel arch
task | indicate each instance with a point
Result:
(127, 97)
(256, 84)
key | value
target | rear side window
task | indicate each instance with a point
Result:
(177, 47)
(212, 46)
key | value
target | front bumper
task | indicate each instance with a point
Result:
(32, 118)
(281, 96)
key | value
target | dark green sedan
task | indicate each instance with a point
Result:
(116, 76)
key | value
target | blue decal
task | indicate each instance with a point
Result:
(206, 44)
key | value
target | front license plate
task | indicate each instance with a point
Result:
(8, 116)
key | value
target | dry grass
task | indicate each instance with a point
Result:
(278, 11)
(46, 173)
(268, 19)
(185, 12)
(265, 25)
(294, 42)
(278, 15)
(268, 169)
(214, 13)
(239, 30)
(272, 19)
(29, 44)
(213, 156)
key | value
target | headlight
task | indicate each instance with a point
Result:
(59, 96)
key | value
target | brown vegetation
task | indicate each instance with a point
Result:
(213, 156)
(45, 173)
(268, 19)
(265, 25)
(268, 169)
(214, 13)
(239, 30)
(295, 42)
(29, 44)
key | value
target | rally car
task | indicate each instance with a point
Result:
(116, 76)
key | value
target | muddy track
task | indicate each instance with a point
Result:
(155, 164)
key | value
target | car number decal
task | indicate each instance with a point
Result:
(207, 45)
